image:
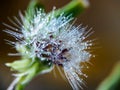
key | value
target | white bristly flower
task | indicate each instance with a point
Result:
(55, 40)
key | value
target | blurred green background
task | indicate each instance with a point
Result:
(102, 15)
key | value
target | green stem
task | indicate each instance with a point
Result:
(24, 80)
(33, 71)
(112, 82)
(74, 8)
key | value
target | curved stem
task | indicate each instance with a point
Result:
(112, 82)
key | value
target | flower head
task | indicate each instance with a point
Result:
(49, 41)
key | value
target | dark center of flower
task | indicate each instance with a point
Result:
(51, 51)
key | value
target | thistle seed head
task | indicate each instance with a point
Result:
(55, 40)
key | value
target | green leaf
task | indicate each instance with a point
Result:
(31, 11)
(20, 65)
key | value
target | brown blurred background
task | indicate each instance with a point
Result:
(102, 15)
